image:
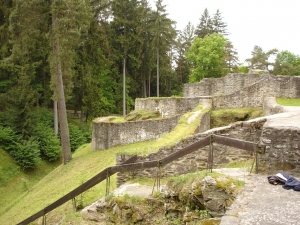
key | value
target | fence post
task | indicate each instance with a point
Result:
(107, 182)
(44, 219)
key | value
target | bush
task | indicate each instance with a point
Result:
(77, 137)
(26, 153)
(8, 138)
(49, 144)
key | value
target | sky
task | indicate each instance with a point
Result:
(265, 23)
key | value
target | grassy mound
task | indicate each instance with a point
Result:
(224, 117)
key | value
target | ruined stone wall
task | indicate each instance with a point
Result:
(250, 96)
(107, 134)
(170, 106)
(198, 159)
(282, 151)
(277, 86)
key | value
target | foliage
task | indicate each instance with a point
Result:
(206, 54)
(208, 25)
(288, 101)
(26, 154)
(260, 58)
(77, 137)
(49, 144)
(287, 63)
(8, 138)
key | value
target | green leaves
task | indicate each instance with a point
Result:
(206, 55)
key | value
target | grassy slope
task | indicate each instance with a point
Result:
(288, 101)
(85, 164)
(223, 117)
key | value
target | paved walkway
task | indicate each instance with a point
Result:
(261, 203)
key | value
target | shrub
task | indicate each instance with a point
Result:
(77, 137)
(8, 138)
(26, 153)
(49, 144)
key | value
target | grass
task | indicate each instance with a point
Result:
(224, 117)
(38, 193)
(288, 101)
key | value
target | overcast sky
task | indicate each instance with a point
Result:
(266, 23)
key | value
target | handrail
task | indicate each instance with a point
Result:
(129, 166)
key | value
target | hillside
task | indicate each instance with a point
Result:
(62, 179)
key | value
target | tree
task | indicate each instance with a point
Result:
(183, 43)
(218, 26)
(25, 62)
(206, 55)
(126, 28)
(69, 19)
(260, 59)
(208, 25)
(231, 58)
(164, 33)
(205, 27)
(287, 63)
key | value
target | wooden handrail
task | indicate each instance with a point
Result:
(128, 165)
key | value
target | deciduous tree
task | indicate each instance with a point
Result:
(206, 55)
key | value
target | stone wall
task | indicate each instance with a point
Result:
(107, 134)
(277, 86)
(250, 131)
(171, 106)
(282, 151)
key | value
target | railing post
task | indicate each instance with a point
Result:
(44, 220)
(210, 154)
(107, 182)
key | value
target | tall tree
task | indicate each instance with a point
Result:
(184, 42)
(260, 58)
(209, 25)
(164, 33)
(126, 27)
(205, 26)
(231, 58)
(25, 62)
(207, 56)
(218, 26)
(69, 19)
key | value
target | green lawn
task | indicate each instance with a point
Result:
(288, 101)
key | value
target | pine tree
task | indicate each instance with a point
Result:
(231, 58)
(260, 59)
(218, 26)
(69, 19)
(25, 62)
(208, 25)
(184, 42)
(164, 34)
(127, 43)
(205, 26)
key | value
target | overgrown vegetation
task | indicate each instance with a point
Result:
(41, 144)
(224, 117)
(288, 101)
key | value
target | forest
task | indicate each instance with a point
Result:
(94, 58)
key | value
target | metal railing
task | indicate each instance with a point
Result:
(129, 165)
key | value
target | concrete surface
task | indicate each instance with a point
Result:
(261, 203)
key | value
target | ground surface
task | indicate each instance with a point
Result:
(259, 203)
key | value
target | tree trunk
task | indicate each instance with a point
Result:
(62, 112)
(124, 83)
(157, 72)
(55, 118)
